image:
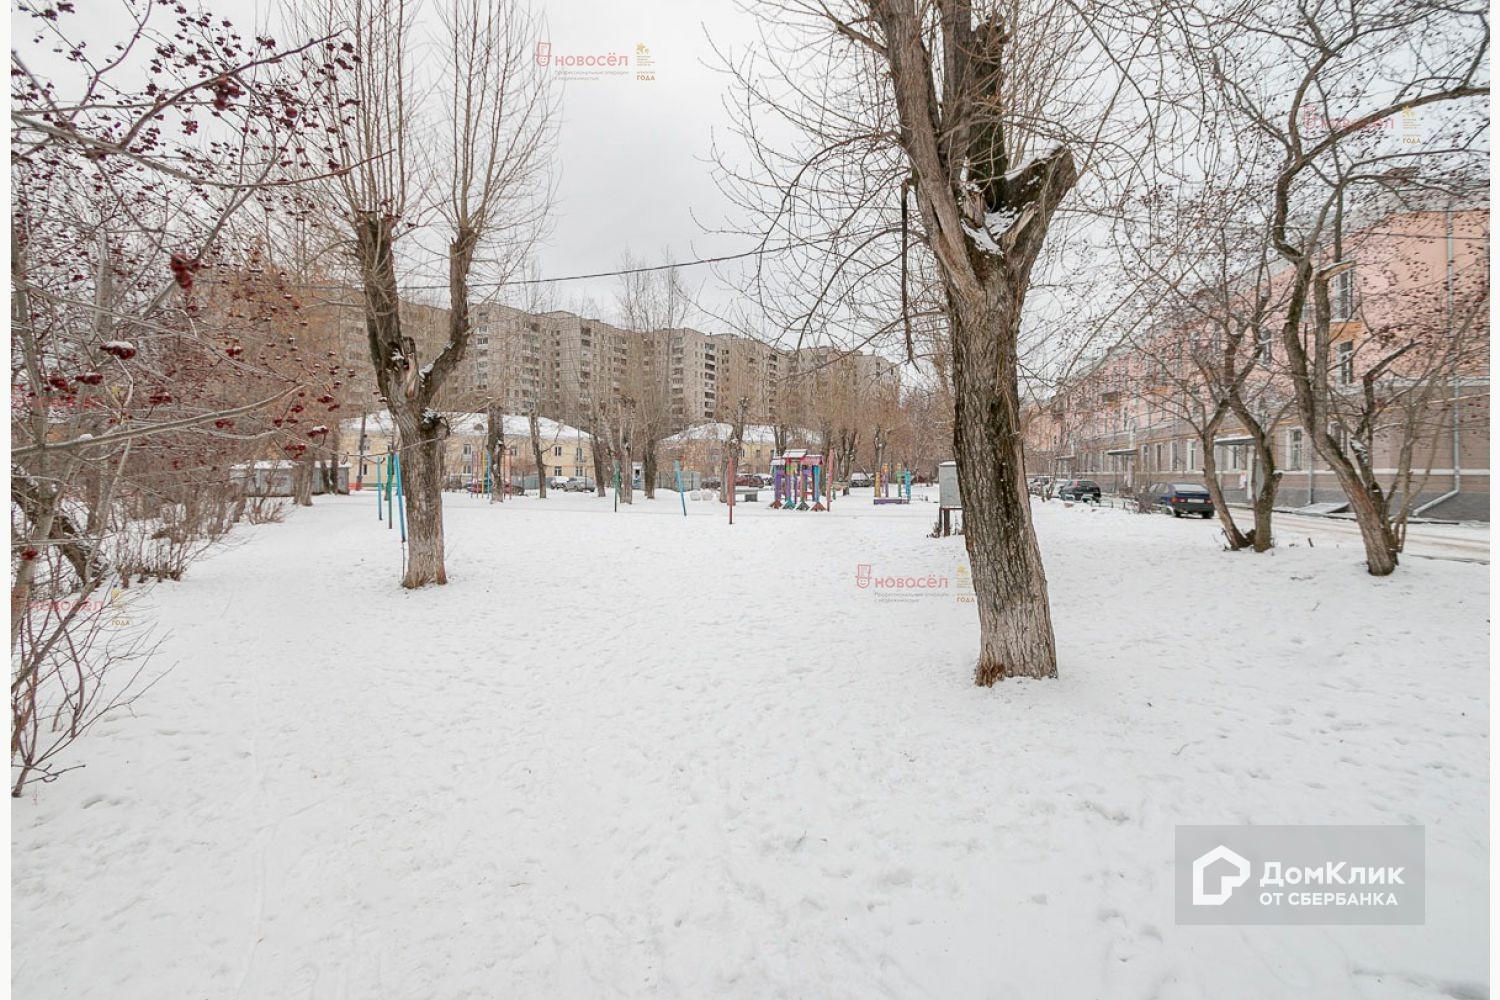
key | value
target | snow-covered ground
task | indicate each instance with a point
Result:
(638, 754)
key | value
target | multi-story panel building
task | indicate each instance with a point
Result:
(560, 363)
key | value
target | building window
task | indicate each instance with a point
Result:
(557, 452)
(1341, 294)
(1344, 352)
(1192, 455)
(557, 470)
(1263, 346)
(1294, 449)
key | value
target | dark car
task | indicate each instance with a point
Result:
(478, 486)
(1079, 489)
(749, 479)
(1178, 499)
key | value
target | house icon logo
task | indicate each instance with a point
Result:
(1227, 883)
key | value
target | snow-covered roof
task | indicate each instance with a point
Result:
(720, 431)
(379, 424)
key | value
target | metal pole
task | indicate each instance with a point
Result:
(677, 468)
(400, 499)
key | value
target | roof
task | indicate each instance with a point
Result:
(720, 431)
(379, 424)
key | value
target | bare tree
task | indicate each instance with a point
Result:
(619, 433)
(652, 302)
(972, 113)
(486, 189)
(131, 178)
(734, 447)
(1320, 85)
(1203, 352)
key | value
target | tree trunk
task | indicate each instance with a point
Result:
(1368, 505)
(302, 482)
(494, 447)
(598, 449)
(421, 445)
(648, 467)
(1010, 587)
(1232, 533)
(620, 449)
(536, 454)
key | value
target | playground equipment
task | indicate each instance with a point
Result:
(883, 482)
(798, 479)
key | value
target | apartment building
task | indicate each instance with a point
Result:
(1131, 418)
(560, 363)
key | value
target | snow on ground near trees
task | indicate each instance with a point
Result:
(640, 755)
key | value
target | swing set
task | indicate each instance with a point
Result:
(884, 480)
(800, 481)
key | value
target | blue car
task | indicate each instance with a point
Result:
(1178, 499)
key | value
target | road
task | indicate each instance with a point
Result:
(1458, 542)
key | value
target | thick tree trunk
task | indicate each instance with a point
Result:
(1368, 504)
(598, 450)
(1232, 534)
(601, 466)
(536, 455)
(648, 467)
(422, 489)
(494, 447)
(1262, 505)
(620, 448)
(1010, 587)
(302, 482)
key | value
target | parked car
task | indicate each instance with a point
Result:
(1038, 484)
(712, 482)
(752, 480)
(857, 479)
(557, 482)
(1079, 489)
(477, 486)
(577, 484)
(1178, 499)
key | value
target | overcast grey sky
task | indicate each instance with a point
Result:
(632, 166)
